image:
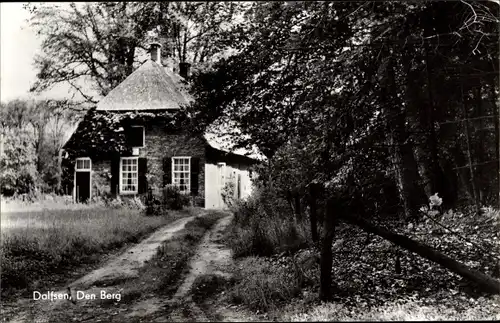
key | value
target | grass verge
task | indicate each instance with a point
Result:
(40, 248)
(263, 286)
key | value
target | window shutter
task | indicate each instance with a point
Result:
(115, 174)
(167, 170)
(142, 169)
(195, 170)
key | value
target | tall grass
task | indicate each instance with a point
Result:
(264, 225)
(36, 246)
(262, 285)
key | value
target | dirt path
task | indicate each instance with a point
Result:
(121, 267)
(211, 258)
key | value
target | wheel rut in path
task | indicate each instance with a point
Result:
(211, 257)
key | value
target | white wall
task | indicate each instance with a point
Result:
(214, 184)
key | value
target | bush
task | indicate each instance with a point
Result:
(264, 225)
(174, 199)
(154, 206)
(227, 193)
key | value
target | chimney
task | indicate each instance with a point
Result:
(155, 52)
(184, 70)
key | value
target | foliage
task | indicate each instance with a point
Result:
(17, 165)
(405, 309)
(343, 108)
(201, 32)
(173, 199)
(102, 133)
(349, 89)
(228, 192)
(367, 282)
(100, 44)
(95, 42)
(208, 285)
(263, 226)
(154, 206)
(34, 133)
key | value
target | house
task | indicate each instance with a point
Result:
(136, 117)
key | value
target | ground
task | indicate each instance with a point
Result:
(197, 287)
(112, 278)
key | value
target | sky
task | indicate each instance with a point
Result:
(18, 46)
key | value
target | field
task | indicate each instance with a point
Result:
(39, 247)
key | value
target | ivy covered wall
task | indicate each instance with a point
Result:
(102, 136)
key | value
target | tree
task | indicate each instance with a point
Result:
(94, 46)
(17, 164)
(198, 32)
(93, 43)
(341, 77)
(42, 127)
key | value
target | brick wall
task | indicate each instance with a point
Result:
(160, 144)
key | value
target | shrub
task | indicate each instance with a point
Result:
(264, 225)
(174, 199)
(227, 193)
(154, 206)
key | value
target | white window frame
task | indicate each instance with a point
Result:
(89, 169)
(121, 186)
(143, 136)
(188, 191)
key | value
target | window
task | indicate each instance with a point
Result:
(181, 173)
(128, 175)
(136, 136)
(83, 164)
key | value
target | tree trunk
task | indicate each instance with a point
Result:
(469, 156)
(313, 217)
(485, 282)
(407, 177)
(298, 208)
(496, 114)
(480, 143)
(438, 181)
(293, 199)
(326, 261)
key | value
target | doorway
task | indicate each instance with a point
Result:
(83, 179)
